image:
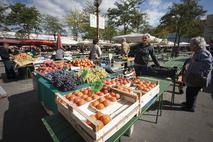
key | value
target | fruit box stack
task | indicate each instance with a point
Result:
(96, 117)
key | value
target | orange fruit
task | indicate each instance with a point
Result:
(95, 97)
(80, 103)
(95, 103)
(106, 103)
(77, 100)
(88, 99)
(100, 125)
(98, 115)
(100, 106)
(105, 119)
(113, 99)
(101, 100)
(84, 96)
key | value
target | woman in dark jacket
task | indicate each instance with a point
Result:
(141, 54)
(197, 72)
(5, 56)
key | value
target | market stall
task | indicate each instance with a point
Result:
(57, 101)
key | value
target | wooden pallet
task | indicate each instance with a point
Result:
(121, 112)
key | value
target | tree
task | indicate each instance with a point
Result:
(109, 32)
(182, 19)
(51, 25)
(27, 19)
(126, 14)
(2, 15)
(89, 32)
(75, 19)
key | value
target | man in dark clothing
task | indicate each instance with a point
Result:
(4, 53)
(141, 54)
(59, 54)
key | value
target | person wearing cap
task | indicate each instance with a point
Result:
(142, 51)
(124, 47)
(95, 51)
(6, 58)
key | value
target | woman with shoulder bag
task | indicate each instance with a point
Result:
(197, 72)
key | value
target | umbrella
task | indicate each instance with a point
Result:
(59, 43)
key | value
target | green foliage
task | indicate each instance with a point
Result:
(126, 14)
(184, 18)
(75, 21)
(109, 32)
(3, 9)
(51, 25)
(26, 18)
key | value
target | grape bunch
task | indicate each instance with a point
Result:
(65, 80)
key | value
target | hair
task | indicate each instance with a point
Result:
(95, 41)
(123, 39)
(197, 43)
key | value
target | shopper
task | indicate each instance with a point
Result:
(125, 47)
(6, 58)
(197, 72)
(141, 54)
(59, 54)
(95, 52)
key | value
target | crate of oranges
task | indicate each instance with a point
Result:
(144, 88)
(100, 116)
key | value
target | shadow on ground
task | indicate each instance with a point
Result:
(22, 121)
(5, 80)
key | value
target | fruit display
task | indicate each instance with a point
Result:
(117, 81)
(23, 58)
(145, 86)
(94, 74)
(49, 66)
(83, 63)
(64, 80)
(100, 118)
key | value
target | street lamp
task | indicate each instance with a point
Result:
(97, 4)
(175, 51)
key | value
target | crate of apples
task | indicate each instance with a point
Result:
(83, 63)
(49, 66)
(117, 82)
(144, 86)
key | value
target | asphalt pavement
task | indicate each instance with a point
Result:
(21, 113)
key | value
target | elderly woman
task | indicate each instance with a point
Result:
(197, 72)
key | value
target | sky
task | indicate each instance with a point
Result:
(155, 9)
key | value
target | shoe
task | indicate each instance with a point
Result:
(181, 91)
(187, 109)
(183, 103)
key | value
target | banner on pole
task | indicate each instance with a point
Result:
(93, 22)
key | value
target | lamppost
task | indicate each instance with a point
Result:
(175, 49)
(97, 4)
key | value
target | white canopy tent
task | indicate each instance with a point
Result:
(136, 37)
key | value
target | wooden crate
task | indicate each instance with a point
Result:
(121, 112)
(144, 97)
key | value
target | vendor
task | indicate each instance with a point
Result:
(59, 54)
(95, 52)
(6, 58)
(141, 54)
(124, 47)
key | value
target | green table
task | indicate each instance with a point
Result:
(178, 63)
(61, 131)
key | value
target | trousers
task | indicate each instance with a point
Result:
(191, 96)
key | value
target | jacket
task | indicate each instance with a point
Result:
(199, 68)
(141, 54)
(95, 52)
